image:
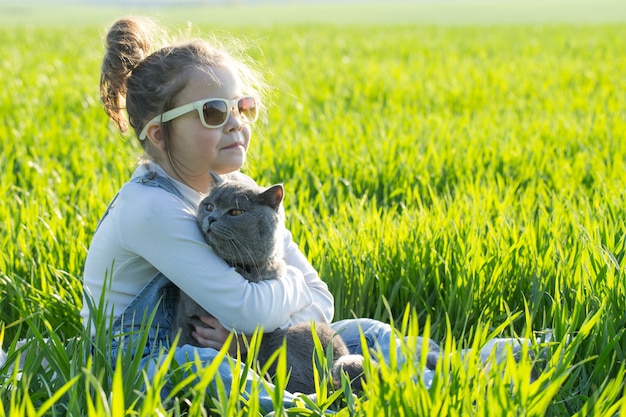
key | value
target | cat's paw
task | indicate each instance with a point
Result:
(352, 365)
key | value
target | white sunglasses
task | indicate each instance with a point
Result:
(213, 112)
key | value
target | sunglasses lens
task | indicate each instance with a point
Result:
(215, 112)
(247, 109)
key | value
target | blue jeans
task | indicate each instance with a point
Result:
(160, 292)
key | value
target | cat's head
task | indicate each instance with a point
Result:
(242, 221)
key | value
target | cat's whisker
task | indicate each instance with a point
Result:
(247, 255)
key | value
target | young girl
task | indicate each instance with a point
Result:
(192, 106)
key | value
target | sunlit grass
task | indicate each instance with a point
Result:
(460, 183)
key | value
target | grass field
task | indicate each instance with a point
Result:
(460, 179)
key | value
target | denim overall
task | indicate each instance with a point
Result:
(160, 292)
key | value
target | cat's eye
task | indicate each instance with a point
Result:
(236, 212)
(209, 207)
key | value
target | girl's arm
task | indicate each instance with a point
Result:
(322, 307)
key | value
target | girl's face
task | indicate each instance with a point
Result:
(197, 149)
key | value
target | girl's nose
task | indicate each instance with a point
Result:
(235, 122)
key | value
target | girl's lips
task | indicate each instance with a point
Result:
(235, 145)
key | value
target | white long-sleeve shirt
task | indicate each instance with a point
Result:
(150, 229)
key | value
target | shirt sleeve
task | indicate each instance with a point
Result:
(322, 307)
(161, 229)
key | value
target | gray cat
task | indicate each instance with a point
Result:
(243, 222)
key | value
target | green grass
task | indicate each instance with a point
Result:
(458, 181)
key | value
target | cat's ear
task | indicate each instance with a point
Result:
(217, 180)
(273, 196)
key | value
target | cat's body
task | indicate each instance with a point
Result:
(243, 223)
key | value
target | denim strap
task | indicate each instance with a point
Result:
(151, 179)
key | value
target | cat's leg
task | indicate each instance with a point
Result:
(352, 366)
(301, 353)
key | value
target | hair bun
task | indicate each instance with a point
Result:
(127, 44)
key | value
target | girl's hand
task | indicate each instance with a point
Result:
(214, 335)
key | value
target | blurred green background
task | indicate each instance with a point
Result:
(235, 13)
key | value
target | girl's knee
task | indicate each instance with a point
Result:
(374, 332)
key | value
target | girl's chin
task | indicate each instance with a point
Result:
(231, 167)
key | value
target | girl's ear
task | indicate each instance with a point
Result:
(154, 134)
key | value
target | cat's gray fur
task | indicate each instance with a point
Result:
(253, 245)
